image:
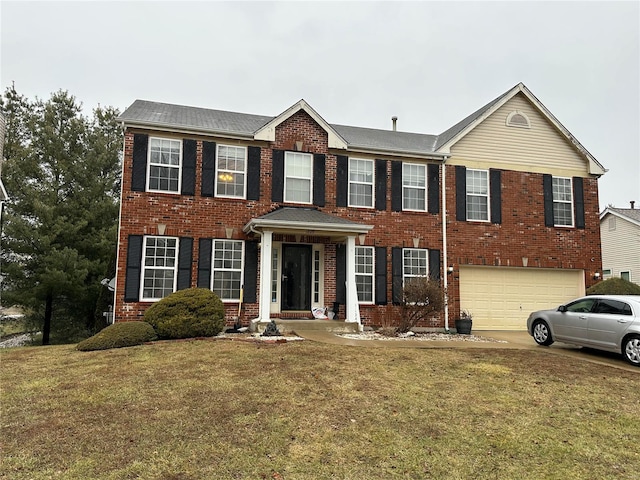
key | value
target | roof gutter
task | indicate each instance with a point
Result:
(187, 130)
(306, 227)
(441, 157)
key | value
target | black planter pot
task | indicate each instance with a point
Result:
(463, 326)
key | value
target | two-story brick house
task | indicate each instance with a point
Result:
(282, 214)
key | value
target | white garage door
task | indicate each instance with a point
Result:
(501, 298)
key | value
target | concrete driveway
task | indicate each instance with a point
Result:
(519, 340)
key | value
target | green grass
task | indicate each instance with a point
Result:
(217, 409)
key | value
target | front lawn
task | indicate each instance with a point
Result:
(214, 409)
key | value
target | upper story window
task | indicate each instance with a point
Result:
(414, 187)
(518, 119)
(231, 167)
(414, 263)
(227, 268)
(163, 171)
(478, 195)
(562, 202)
(360, 183)
(364, 274)
(298, 177)
(159, 267)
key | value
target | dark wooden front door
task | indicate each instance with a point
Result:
(296, 277)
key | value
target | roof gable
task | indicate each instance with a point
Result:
(268, 131)
(454, 134)
(631, 215)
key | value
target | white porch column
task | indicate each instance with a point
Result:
(352, 309)
(265, 276)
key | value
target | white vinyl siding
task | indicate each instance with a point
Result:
(159, 267)
(163, 167)
(620, 247)
(361, 178)
(539, 149)
(231, 168)
(298, 177)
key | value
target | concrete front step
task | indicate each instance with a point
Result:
(290, 326)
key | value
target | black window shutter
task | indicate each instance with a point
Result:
(139, 170)
(434, 264)
(495, 186)
(277, 176)
(381, 187)
(253, 173)
(396, 186)
(396, 275)
(341, 273)
(318, 179)
(185, 256)
(134, 264)
(547, 189)
(433, 187)
(189, 167)
(381, 275)
(208, 168)
(250, 272)
(461, 193)
(578, 201)
(342, 180)
(204, 263)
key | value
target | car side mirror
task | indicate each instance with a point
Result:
(562, 308)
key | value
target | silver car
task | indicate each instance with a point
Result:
(603, 322)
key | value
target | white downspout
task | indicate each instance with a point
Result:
(445, 267)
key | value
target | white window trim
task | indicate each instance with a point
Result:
(628, 272)
(286, 177)
(246, 162)
(488, 195)
(143, 267)
(573, 220)
(320, 249)
(213, 269)
(372, 275)
(513, 114)
(178, 167)
(372, 183)
(426, 193)
(404, 275)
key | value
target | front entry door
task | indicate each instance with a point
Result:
(296, 277)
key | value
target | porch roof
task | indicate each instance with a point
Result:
(305, 220)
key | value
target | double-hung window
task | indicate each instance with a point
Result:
(360, 183)
(364, 274)
(414, 263)
(159, 266)
(227, 268)
(414, 187)
(562, 202)
(231, 171)
(298, 177)
(478, 195)
(165, 158)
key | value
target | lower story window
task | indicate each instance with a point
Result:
(159, 267)
(364, 274)
(626, 275)
(414, 263)
(227, 268)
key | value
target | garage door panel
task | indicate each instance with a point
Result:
(501, 298)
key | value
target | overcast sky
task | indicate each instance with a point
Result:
(355, 63)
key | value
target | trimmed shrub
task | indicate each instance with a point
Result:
(614, 286)
(122, 334)
(193, 312)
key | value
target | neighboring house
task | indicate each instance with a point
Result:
(289, 213)
(620, 233)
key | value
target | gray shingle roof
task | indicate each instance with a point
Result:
(386, 139)
(305, 215)
(633, 213)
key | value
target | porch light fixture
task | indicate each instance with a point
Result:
(161, 228)
(450, 269)
(596, 276)
(225, 177)
(361, 238)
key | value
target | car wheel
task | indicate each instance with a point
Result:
(631, 350)
(541, 333)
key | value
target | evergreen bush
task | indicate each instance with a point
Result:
(614, 286)
(122, 334)
(193, 312)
